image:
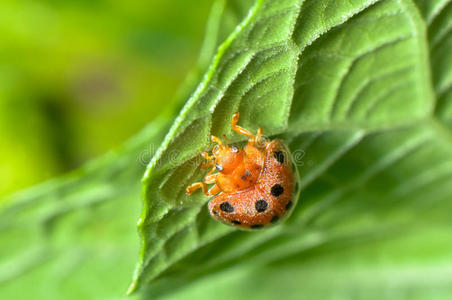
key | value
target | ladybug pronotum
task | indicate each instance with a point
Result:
(255, 186)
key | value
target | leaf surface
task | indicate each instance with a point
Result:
(75, 237)
(361, 91)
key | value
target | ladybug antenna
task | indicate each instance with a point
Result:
(216, 140)
(225, 138)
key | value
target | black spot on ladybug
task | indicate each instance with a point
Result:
(247, 173)
(274, 219)
(279, 155)
(219, 167)
(234, 149)
(235, 222)
(277, 190)
(226, 207)
(243, 177)
(256, 226)
(215, 212)
(289, 205)
(261, 205)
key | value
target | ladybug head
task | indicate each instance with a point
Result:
(227, 158)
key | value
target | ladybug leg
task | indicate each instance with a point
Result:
(216, 140)
(208, 179)
(259, 135)
(242, 131)
(206, 165)
(211, 178)
(214, 190)
(192, 188)
(202, 185)
(209, 162)
(207, 156)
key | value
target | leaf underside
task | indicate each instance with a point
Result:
(362, 93)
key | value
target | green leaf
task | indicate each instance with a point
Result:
(59, 239)
(357, 268)
(361, 91)
(75, 237)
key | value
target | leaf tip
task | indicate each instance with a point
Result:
(132, 288)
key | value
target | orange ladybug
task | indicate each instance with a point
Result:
(255, 186)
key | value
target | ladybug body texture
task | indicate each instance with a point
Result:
(255, 186)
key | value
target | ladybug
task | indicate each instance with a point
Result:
(255, 186)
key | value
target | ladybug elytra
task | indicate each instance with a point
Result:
(255, 186)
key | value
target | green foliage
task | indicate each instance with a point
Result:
(362, 89)
(79, 77)
(75, 237)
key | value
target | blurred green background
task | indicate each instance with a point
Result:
(77, 78)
